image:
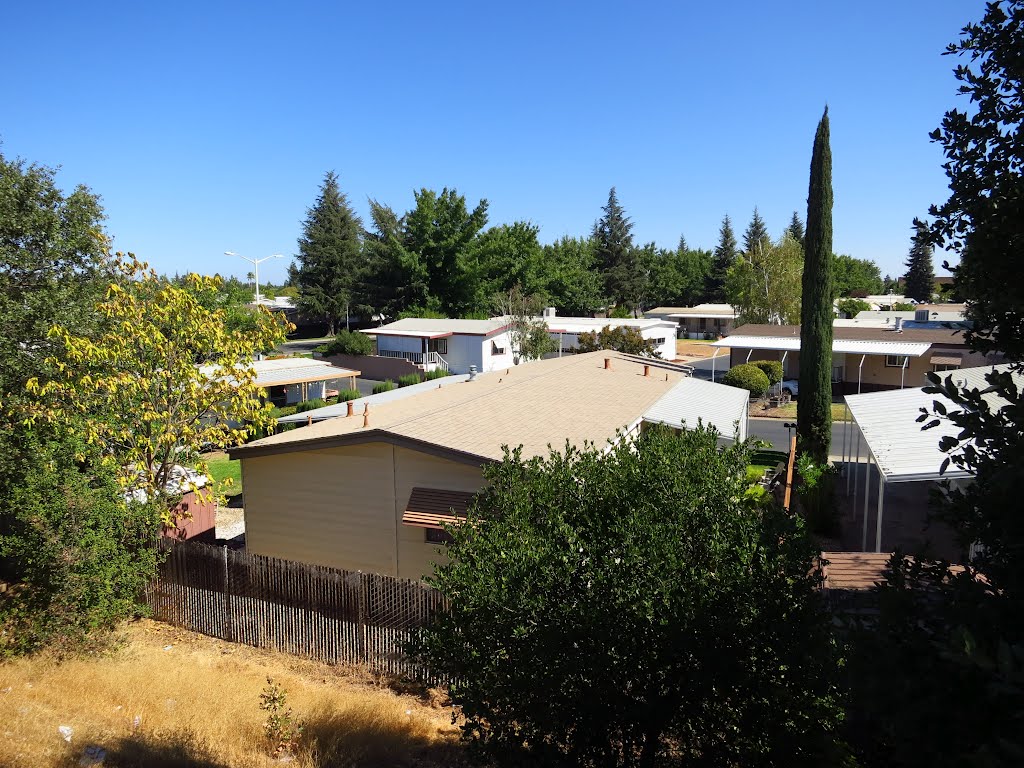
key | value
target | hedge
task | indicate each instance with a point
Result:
(772, 369)
(385, 386)
(749, 377)
(409, 379)
(349, 394)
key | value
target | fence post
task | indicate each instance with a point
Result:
(228, 624)
(361, 618)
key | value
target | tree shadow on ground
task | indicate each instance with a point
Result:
(154, 751)
(367, 737)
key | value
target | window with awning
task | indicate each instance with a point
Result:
(435, 507)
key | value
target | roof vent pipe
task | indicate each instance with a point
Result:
(351, 408)
(647, 371)
(607, 363)
(899, 325)
(366, 415)
(472, 373)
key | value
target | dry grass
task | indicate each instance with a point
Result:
(197, 704)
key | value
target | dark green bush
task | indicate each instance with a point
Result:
(348, 343)
(385, 386)
(310, 405)
(409, 379)
(349, 394)
(437, 373)
(749, 377)
(772, 369)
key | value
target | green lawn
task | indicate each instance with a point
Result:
(222, 468)
(789, 411)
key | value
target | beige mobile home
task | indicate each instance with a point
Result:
(371, 491)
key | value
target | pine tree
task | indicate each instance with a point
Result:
(814, 410)
(796, 228)
(329, 256)
(756, 235)
(725, 255)
(616, 257)
(920, 279)
(682, 247)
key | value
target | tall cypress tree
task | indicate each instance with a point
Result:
(617, 259)
(725, 255)
(329, 260)
(756, 235)
(814, 411)
(796, 228)
(920, 279)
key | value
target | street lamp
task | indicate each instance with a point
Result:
(256, 267)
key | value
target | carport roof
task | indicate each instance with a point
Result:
(693, 400)
(853, 346)
(902, 450)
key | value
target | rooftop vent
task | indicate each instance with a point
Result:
(472, 373)
(899, 325)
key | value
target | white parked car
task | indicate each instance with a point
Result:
(790, 387)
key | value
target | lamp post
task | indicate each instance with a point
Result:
(255, 267)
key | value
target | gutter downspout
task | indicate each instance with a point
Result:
(783, 361)
(903, 371)
(860, 369)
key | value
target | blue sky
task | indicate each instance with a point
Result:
(208, 127)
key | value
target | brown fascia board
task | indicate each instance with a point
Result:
(359, 438)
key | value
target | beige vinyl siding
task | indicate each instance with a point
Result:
(414, 468)
(334, 506)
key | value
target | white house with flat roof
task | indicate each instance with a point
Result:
(703, 321)
(450, 345)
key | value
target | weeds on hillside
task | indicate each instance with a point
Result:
(282, 729)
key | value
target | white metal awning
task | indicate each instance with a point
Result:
(903, 451)
(413, 334)
(714, 405)
(851, 346)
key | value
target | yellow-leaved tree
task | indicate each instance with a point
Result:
(165, 380)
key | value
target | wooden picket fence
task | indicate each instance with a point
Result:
(327, 614)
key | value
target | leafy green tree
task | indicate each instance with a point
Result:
(749, 377)
(528, 333)
(442, 232)
(946, 662)
(395, 278)
(851, 307)
(52, 270)
(574, 283)
(677, 278)
(856, 276)
(617, 258)
(625, 339)
(672, 610)
(330, 257)
(756, 235)
(507, 256)
(163, 381)
(814, 410)
(920, 277)
(764, 285)
(724, 259)
(79, 551)
(796, 228)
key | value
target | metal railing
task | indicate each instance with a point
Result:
(424, 359)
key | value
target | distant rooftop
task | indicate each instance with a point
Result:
(429, 327)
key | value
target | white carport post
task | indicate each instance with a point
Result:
(867, 495)
(749, 353)
(881, 503)
(560, 343)
(783, 362)
(903, 369)
(856, 466)
(846, 440)
(718, 351)
(859, 372)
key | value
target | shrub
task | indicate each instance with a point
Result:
(850, 307)
(348, 343)
(385, 386)
(349, 394)
(903, 306)
(409, 379)
(772, 369)
(437, 373)
(749, 377)
(310, 405)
